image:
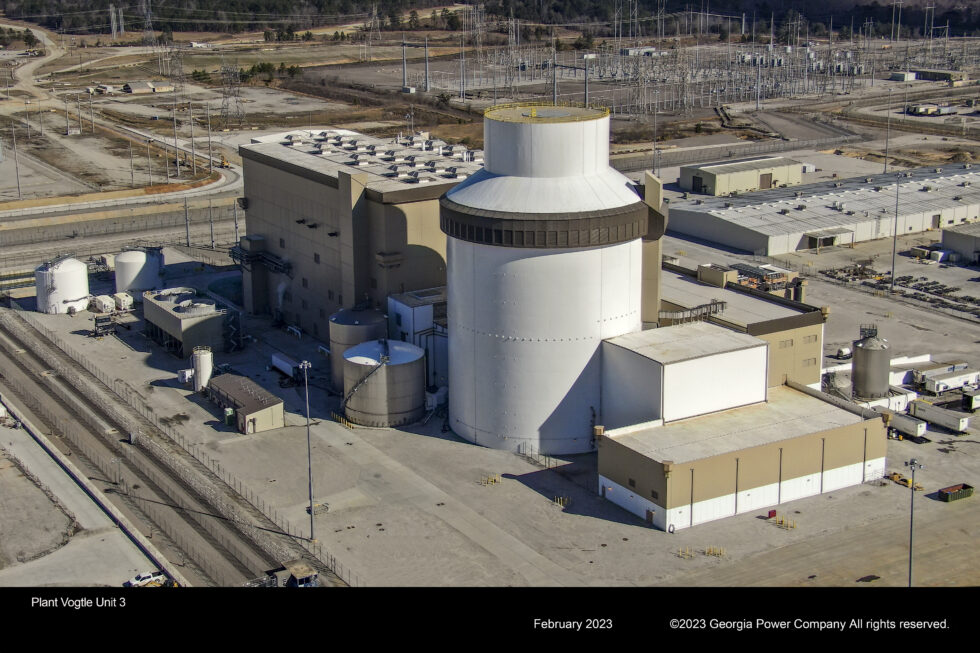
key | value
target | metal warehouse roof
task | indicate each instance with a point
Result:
(841, 204)
(683, 342)
(786, 414)
(971, 229)
(743, 165)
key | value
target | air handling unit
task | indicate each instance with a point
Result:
(544, 262)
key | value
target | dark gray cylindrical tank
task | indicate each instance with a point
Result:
(349, 327)
(870, 368)
(394, 393)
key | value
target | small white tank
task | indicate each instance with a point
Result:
(203, 367)
(138, 270)
(103, 304)
(62, 286)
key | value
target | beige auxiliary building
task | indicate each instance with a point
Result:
(336, 218)
(741, 176)
(793, 330)
(256, 409)
(179, 320)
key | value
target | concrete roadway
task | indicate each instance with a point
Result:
(99, 555)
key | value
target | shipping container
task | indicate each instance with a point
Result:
(903, 423)
(285, 364)
(971, 399)
(940, 416)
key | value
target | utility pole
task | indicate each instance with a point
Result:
(888, 126)
(211, 223)
(207, 108)
(27, 117)
(78, 110)
(149, 169)
(13, 136)
(190, 110)
(67, 124)
(234, 209)
(187, 222)
(91, 113)
(132, 168)
(898, 184)
(176, 150)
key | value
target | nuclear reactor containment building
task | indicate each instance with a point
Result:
(544, 262)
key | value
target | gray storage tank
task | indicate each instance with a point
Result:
(384, 383)
(871, 365)
(349, 327)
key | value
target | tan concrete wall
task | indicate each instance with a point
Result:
(348, 270)
(756, 466)
(620, 464)
(265, 420)
(759, 466)
(788, 361)
(740, 182)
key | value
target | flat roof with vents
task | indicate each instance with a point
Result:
(743, 165)
(392, 165)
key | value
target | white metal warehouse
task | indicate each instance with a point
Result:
(834, 212)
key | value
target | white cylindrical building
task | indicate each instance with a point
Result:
(62, 286)
(544, 262)
(138, 270)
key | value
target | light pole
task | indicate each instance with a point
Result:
(305, 365)
(27, 117)
(913, 465)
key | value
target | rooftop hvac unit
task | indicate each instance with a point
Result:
(878, 189)
(927, 189)
(967, 166)
(838, 184)
(800, 207)
(728, 205)
(869, 179)
(784, 211)
(799, 193)
(939, 170)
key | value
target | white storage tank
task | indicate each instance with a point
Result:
(203, 367)
(544, 262)
(387, 378)
(62, 286)
(138, 270)
(349, 327)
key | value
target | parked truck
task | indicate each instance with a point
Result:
(285, 364)
(904, 424)
(957, 422)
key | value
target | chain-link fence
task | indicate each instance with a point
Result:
(185, 469)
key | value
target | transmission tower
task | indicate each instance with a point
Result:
(148, 36)
(232, 109)
(112, 21)
(121, 23)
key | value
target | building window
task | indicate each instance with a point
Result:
(330, 295)
(398, 319)
(784, 344)
(404, 336)
(304, 304)
(810, 339)
(340, 299)
(653, 493)
(316, 330)
(632, 483)
(323, 314)
(316, 257)
(809, 362)
(287, 296)
(282, 243)
(374, 283)
(306, 284)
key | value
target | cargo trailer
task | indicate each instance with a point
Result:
(949, 419)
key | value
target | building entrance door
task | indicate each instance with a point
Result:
(765, 181)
